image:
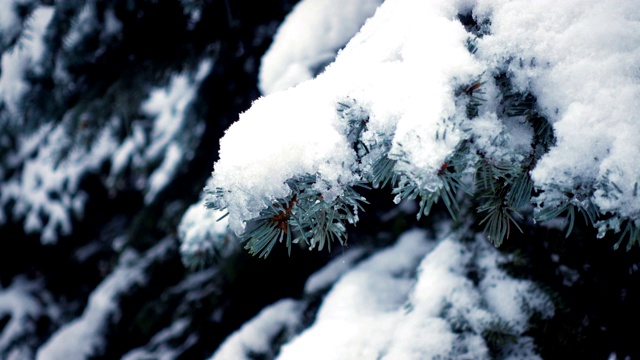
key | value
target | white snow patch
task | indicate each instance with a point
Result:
(83, 337)
(167, 106)
(404, 68)
(580, 59)
(49, 186)
(8, 18)
(23, 302)
(161, 350)
(357, 315)
(256, 335)
(165, 172)
(203, 232)
(309, 39)
(382, 310)
(330, 273)
(26, 56)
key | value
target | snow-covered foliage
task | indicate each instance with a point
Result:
(43, 161)
(22, 305)
(418, 299)
(46, 191)
(161, 350)
(257, 336)
(440, 89)
(28, 55)
(165, 142)
(84, 337)
(204, 235)
(578, 59)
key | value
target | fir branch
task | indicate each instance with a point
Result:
(383, 172)
(450, 175)
(578, 201)
(474, 101)
(495, 188)
(472, 44)
(633, 229)
(215, 198)
(323, 222)
(520, 191)
(513, 102)
(544, 138)
(498, 221)
(304, 215)
(357, 119)
(497, 335)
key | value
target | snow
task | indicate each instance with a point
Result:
(49, 186)
(92, 20)
(309, 38)
(415, 299)
(357, 314)
(49, 161)
(89, 21)
(8, 21)
(165, 172)
(161, 350)
(168, 108)
(580, 61)
(83, 337)
(24, 302)
(256, 336)
(8, 18)
(404, 70)
(84, 23)
(204, 233)
(26, 56)
(330, 273)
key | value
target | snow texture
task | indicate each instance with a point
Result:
(84, 336)
(415, 301)
(308, 39)
(205, 233)
(404, 70)
(256, 336)
(389, 69)
(26, 56)
(88, 21)
(168, 106)
(324, 278)
(48, 185)
(580, 59)
(45, 189)
(23, 304)
(418, 299)
(159, 343)
(8, 18)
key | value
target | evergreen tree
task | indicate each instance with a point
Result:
(436, 154)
